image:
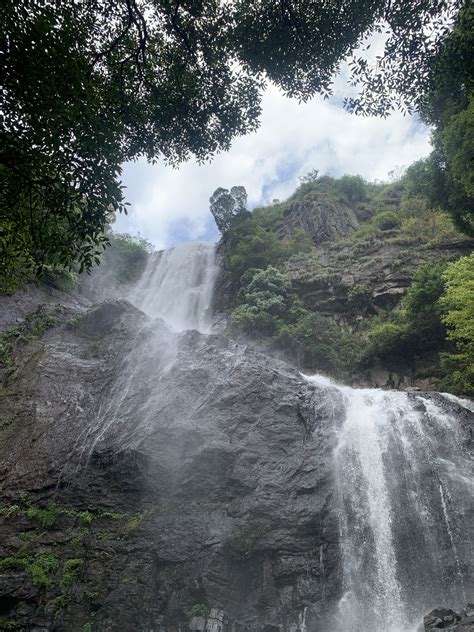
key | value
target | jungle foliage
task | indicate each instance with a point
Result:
(415, 327)
(436, 316)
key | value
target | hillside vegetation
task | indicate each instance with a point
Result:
(351, 277)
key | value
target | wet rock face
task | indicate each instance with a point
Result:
(152, 481)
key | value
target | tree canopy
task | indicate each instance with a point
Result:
(226, 206)
(88, 85)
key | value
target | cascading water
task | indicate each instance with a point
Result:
(177, 285)
(401, 469)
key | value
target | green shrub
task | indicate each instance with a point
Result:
(386, 220)
(416, 327)
(268, 217)
(353, 187)
(265, 303)
(414, 206)
(388, 341)
(421, 300)
(85, 517)
(47, 517)
(10, 511)
(420, 180)
(42, 568)
(458, 369)
(14, 563)
(248, 245)
(457, 305)
(431, 227)
(71, 572)
(317, 342)
(359, 297)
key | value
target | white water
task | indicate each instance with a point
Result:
(398, 462)
(177, 285)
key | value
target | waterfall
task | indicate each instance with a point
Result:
(177, 285)
(401, 470)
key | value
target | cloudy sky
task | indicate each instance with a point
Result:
(172, 205)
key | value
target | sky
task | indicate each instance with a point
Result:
(169, 205)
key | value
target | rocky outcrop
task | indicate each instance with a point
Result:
(359, 267)
(349, 282)
(449, 620)
(16, 307)
(321, 218)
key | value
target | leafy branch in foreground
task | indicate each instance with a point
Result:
(86, 86)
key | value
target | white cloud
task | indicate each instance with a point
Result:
(170, 205)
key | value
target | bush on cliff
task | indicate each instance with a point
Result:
(269, 312)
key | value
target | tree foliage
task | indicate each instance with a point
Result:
(353, 187)
(88, 85)
(386, 220)
(457, 304)
(265, 302)
(421, 47)
(416, 327)
(248, 246)
(446, 177)
(227, 206)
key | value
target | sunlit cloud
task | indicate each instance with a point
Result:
(172, 205)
